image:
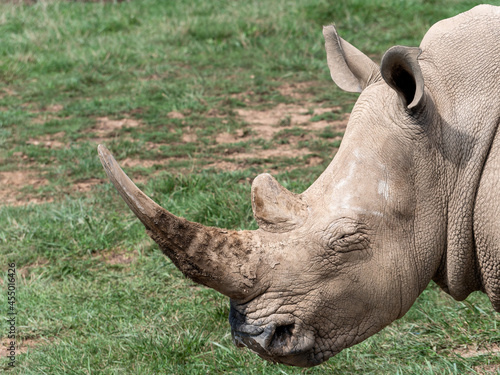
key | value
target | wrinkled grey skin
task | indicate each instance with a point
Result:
(409, 197)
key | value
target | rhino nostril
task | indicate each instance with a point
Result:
(283, 335)
(271, 338)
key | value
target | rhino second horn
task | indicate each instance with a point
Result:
(275, 208)
(224, 260)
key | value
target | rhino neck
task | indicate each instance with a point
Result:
(464, 78)
(487, 225)
(466, 143)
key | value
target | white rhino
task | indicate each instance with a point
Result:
(411, 196)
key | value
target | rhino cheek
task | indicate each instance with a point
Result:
(356, 304)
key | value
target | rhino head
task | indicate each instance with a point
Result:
(331, 266)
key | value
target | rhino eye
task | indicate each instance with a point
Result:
(346, 235)
(347, 242)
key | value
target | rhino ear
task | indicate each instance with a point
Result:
(401, 71)
(350, 68)
(275, 208)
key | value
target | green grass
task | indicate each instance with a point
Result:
(95, 296)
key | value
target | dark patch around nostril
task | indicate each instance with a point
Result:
(283, 335)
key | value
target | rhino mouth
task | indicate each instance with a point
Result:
(285, 343)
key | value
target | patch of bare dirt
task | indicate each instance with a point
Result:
(188, 135)
(106, 126)
(12, 182)
(265, 124)
(237, 136)
(54, 108)
(51, 141)
(225, 165)
(106, 129)
(21, 346)
(339, 125)
(478, 350)
(175, 114)
(281, 151)
(296, 90)
(145, 163)
(314, 160)
(25, 271)
(47, 114)
(487, 369)
(84, 186)
(116, 256)
(261, 124)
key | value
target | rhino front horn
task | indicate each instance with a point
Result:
(275, 208)
(226, 261)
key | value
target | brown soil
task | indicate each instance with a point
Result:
(48, 141)
(296, 90)
(188, 135)
(225, 165)
(106, 127)
(86, 185)
(239, 162)
(47, 113)
(476, 351)
(116, 256)
(277, 152)
(12, 182)
(263, 124)
(491, 350)
(146, 163)
(266, 124)
(54, 108)
(21, 346)
(25, 271)
(237, 136)
(175, 114)
(487, 369)
(260, 124)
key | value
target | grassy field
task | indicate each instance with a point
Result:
(194, 98)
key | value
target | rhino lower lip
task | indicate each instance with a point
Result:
(274, 341)
(258, 342)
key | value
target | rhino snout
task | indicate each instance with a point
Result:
(278, 343)
(258, 342)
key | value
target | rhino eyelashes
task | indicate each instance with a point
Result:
(348, 243)
(346, 235)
